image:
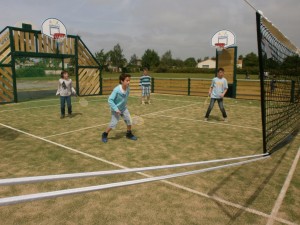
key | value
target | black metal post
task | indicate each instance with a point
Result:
(261, 75)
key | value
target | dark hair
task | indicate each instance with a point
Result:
(221, 69)
(62, 73)
(145, 69)
(123, 77)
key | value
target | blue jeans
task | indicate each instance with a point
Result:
(221, 106)
(64, 99)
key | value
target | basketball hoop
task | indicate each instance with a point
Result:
(220, 47)
(59, 37)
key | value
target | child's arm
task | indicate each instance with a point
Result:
(73, 92)
(224, 93)
(111, 102)
(210, 91)
(225, 89)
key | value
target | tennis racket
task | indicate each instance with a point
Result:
(82, 101)
(136, 120)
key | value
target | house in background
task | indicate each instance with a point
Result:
(239, 64)
(207, 64)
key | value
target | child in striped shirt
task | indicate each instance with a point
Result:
(145, 83)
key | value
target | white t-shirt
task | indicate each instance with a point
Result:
(64, 87)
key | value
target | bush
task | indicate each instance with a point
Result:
(30, 72)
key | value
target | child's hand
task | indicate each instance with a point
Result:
(222, 95)
(118, 112)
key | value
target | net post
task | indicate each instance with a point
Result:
(261, 77)
(235, 72)
(293, 91)
(152, 84)
(101, 81)
(13, 63)
(189, 86)
(76, 65)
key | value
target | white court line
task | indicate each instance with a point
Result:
(86, 128)
(253, 211)
(284, 189)
(72, 131)
(217, 123)
(237, 105)
(44, 106)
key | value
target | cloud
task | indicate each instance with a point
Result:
(183, 26)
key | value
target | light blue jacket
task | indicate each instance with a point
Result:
(118, 100)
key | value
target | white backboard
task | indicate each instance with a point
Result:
(224, 36)
(51, 26)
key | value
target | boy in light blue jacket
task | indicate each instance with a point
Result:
(118, 105)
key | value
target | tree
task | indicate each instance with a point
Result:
(190, 62)
(250, 60)
(178, 62)
(205, 58)
(102, 57)
(166, 59)
(117, 57)
(241, 57)
(133, 60)
(150, 59)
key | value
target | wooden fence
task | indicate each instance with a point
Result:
(246, 89)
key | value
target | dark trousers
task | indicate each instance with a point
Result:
(211, 105)
(63, 100)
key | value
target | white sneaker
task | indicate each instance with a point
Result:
(143, 103)
(225, 120)
(205, 119)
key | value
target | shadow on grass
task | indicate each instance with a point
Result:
(118, 135)
(254, 195)
(76, 114)
(8, 134)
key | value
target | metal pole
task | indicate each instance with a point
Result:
(262, 88)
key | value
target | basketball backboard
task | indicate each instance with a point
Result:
(225, 37)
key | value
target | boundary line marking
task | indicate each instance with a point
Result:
(242, 106)
(86, 128)
(44, 106)
(217, 123)
(253, 211)
(284, 189)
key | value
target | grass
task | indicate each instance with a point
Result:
(169, 136)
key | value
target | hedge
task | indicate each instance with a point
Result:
(30, 72)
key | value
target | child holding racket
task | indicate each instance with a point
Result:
(65, 90)
(118, 105)
(145, 83)
(217, 92)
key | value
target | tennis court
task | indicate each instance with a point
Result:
(36, 142)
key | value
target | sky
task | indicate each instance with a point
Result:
(183, 26)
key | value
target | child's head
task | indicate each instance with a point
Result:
(221, 73)
(145, 71)
(64, 74)
(125, 79)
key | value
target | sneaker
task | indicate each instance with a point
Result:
(143, 103)
(205, 119)
(130, 136)
(225, 120)
(149, 102)
(62, 116)
(70, 115)
(104, 137)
